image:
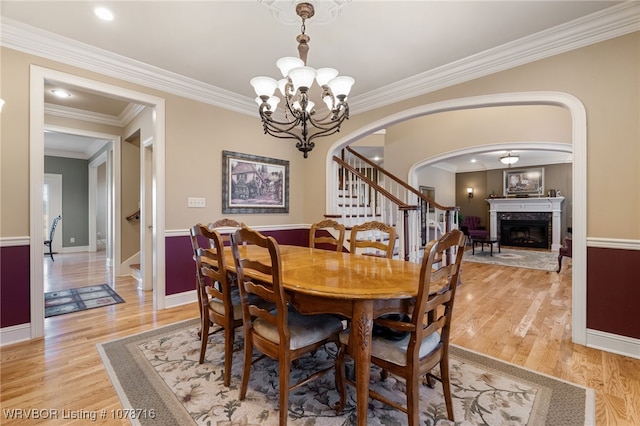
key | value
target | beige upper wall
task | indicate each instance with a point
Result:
(605, 77)
(196, 135)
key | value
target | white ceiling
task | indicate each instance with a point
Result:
(393, 49)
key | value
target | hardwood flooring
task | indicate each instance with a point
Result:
(518, 315)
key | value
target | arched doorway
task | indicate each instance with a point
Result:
(579, 144)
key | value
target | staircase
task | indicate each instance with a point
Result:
(362, 191)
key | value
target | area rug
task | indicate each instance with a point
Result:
(157, 374)
(79, 299)
(530, 259)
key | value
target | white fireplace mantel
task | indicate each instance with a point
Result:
(552, 205)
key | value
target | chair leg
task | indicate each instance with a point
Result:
(229, 337)
(341, 385)
(413, 399)
(248, 353)
(204, 336)
(446, 386)
(559, 263)
(285, 369)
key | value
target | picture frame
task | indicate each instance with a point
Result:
(523, 182)
(252, 184)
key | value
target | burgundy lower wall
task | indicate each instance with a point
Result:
(613, 291)
(180, 273)
(15, 303)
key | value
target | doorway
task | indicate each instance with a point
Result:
(39, 77)
(52, 207)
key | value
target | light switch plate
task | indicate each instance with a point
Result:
(196, 202)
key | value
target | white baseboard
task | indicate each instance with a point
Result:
(76, 249)
(15, 334)
(621, 345)
(180, 299)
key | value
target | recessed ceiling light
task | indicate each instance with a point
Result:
(61, 93)
(473, 160)
(103, 13)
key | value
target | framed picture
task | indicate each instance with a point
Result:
(523, 182)
(252, 184)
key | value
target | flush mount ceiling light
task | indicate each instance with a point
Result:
(103, 13)
(60, 93)
(509, 159)
(299, 120)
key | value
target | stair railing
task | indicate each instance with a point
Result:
(367, 191)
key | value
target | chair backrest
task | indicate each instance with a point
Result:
(225, 227)
(436, 273)
(471, 222)
(265, 264)
(376, 238)
(213, 282)
(327, 238)
(202, 239)
(53, 226)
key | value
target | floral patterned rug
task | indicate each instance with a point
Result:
(158, 374)
(528, 259)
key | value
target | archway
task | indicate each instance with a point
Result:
(579, 144)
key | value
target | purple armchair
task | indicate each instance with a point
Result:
(470, 226)
(565, 251)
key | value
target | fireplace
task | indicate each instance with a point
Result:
(525, 233)
(530, 222)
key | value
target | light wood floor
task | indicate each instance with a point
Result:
(517, 315)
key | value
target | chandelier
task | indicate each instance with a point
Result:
(299, 119)
(509, 159)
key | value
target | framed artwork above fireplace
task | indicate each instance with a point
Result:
(524, 182)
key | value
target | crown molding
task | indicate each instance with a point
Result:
(34, 41)
(597, 27)
(122, 120)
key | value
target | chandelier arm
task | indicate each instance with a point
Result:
(267, 119)
(325, 132)
(301, 144)
(322, 124)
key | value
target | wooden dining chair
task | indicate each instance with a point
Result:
(427, 342)
(282, 333)
(218, 299)
(323, 233)
(373, 239)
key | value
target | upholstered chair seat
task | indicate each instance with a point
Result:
(304, 330)
(396, 351)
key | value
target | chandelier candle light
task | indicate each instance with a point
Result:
(300, 121)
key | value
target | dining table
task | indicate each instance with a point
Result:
(358, 287)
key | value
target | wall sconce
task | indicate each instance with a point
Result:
(470, 192)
